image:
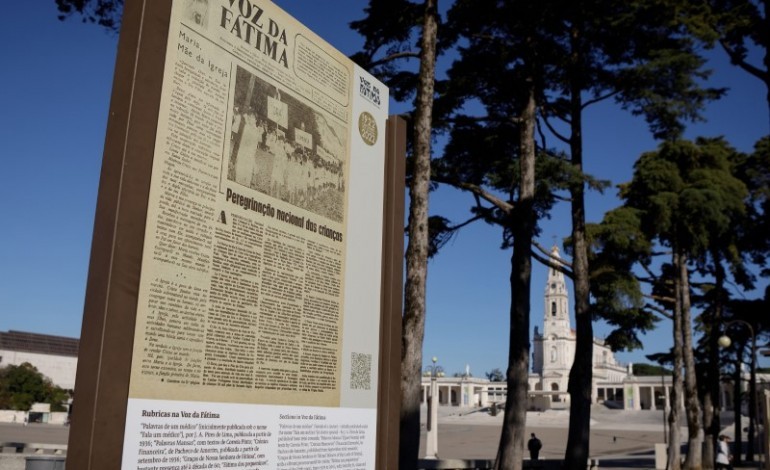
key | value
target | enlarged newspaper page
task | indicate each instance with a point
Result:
(256, 341)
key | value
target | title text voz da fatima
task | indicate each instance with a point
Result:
(248, 22)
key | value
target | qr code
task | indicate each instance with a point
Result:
(361, 371)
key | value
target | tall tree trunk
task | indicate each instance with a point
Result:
(692, 403)
(581, 374)
(711, 405)
(510, 452)
(674, 452)
(709, 418)
(417, 248)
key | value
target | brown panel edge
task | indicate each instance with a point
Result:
(389, 393)
(104, 359)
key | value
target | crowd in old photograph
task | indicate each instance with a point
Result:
(263, 157)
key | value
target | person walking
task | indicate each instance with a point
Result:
(534, 445)
(724, 459)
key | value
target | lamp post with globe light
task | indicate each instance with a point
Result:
(431, 439)
(725, 341)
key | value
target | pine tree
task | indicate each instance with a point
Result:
(492, 155)
(389, 28)
(742, 30)
(639, 55)
(687, 198)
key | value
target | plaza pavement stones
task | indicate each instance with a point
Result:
(619, 438)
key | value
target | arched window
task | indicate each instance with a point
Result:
(553, 308)
(555, 388)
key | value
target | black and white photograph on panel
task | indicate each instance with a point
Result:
(196, 12)
(282, 147)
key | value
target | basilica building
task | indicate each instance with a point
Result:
(553, 352)
(554, 347)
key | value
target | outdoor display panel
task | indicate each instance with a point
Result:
(255, 307)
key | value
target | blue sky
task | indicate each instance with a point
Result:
(55, 98)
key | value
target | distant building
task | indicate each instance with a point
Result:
(554, 348)
(56, 357)
(552, 358)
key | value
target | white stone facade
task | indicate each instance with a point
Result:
(554, 347)
(552, 358)
(54, 356)
(60, 369)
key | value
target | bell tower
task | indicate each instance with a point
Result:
(556, 312)
(554, 349)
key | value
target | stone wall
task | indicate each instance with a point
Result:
(60, 369)
(12, 462)
(19, 462)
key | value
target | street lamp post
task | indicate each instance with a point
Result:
(431, 439)
(725, 341)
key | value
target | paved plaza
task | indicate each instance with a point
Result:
(619, 438)
(34, 433)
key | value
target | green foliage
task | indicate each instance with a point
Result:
(664, 89)
(643, 370)
(486, 93)
(737, 311)
(637, 53)
(23, 385)
(388, 25)
(485, 156)
(662, 357)
(634, 52)
(753, 312)
(105, 13)
(617, 245)
(391, 31)
(739, 27)
(686, 194)
(754, 170)
(495, 375)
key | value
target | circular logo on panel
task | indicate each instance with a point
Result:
(367, 127)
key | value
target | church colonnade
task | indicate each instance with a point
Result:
(635, 393)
